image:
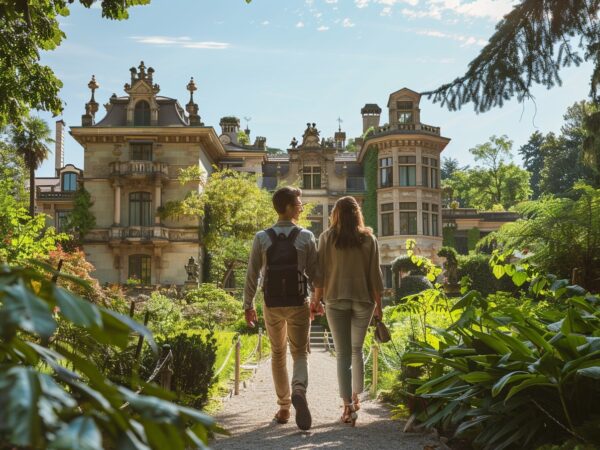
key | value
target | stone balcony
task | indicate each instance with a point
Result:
(157, 234)
(139, 169)
(406, 128)
(50, 193)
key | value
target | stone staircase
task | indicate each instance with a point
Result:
(317, 341)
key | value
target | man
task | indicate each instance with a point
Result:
(284, 258)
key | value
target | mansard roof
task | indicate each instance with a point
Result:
(170, 113)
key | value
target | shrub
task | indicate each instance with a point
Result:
(165, 314)
(508, 378)
(405, 264)
(473, 236)
(51, 396)
(194, 356)
(210, 306)
(477, 268)
(412, 284)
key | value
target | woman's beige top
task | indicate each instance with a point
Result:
(352, 273)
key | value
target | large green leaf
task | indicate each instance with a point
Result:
(531, 381)
(590, 372)
(22, 309)
(75, 309)
(507, 379)
(81, 433)
(477, 377)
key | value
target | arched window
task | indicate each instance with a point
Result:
(140, 268)
(140, 209)
(141, 114)
(69, 181)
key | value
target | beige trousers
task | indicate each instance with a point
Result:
(291, 322)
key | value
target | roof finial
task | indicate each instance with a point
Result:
(339, 121)
(191, 86)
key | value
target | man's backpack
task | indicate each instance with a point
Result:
(284, 284)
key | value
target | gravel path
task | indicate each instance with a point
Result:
(248, 417)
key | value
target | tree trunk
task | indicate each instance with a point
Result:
(31, 191)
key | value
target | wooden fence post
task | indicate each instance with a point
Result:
(238, 347)
(167, 371)
(260, 344)
(375, 350)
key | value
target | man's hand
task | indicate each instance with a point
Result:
(251, 317)
(316, 308)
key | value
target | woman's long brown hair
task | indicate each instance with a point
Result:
(347, 224)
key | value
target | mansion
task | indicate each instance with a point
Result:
(133, 155)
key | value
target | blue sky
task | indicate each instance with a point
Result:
(286, 63)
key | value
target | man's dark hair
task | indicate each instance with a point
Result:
(285, 196)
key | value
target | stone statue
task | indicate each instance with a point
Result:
(192, 269)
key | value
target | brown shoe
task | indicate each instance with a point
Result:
(303, 417)
(282, 416)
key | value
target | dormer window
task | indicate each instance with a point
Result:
(69, 182)
(311, 178)
(141, 116)
(141, 151)
(405, 112)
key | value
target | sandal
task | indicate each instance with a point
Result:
(349, 415)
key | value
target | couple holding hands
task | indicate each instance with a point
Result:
(346, 283)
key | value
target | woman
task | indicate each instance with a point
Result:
(351, 288)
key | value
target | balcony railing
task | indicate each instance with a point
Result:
(135, 233)
(408, 127)
(138, 168)
(139, 232)
(49, 193)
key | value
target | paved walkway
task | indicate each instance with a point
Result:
(249, 417)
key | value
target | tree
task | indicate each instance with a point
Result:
(30, 141)
(564, 160)
(493, 184)
(531, 45)
(533, 160)
(558, 234)
(80, 220)
(449, 166)
(27, 28)
(22, 237)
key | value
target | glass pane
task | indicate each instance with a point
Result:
(317, 181)
(387, 224)
(434, 225)
(426, 223)
(69, 182)
(387, 207)
(425, 176)
(141, 115)
(408, 206)
(412, 223)
(412, 175)
(306, 181)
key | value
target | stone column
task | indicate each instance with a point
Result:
(325, 213)
(117, 205)
(157, 202)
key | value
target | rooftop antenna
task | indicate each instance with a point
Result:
(247, 119)
(339, 121)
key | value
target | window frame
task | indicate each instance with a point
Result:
(386, 171)
(408, 218)
(145, 149)
(407, 170)
(141, 116)
(68, 175)
(313, 174)
(387, 217)
(140, 209)
(144, 263)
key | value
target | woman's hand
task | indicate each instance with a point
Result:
(378, 312)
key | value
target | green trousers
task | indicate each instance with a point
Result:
(348, 321)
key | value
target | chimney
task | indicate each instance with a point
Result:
(59, 146)
(370, 114)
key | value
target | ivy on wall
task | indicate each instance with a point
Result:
(473, 237)
(370, 203)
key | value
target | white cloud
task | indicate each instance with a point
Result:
(266, 22)
(433, 12)
(361, 3)
(300, 24)
(387, 11)
(181, 41)
(464, 40)
(347, 23)
(490, 9)
(393, 2)
(322, 28)
(331, 1)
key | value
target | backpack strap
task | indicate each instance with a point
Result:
(293, 234)
(272, 235)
